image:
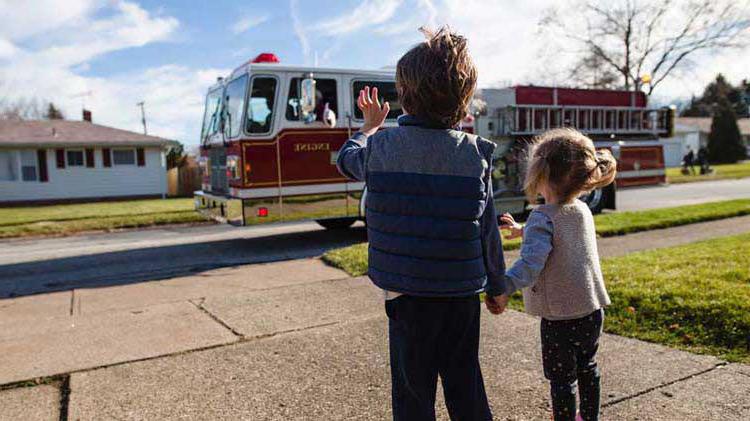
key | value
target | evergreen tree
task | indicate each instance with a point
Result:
(720, 87)
(54, 113)
(724, 142)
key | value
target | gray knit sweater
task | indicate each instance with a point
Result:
(559, 266)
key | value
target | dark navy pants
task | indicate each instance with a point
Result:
(431, 337)
(569, 359)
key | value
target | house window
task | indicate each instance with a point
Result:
(28, 165)
(75, 158)
(123, 156)
(8, 166)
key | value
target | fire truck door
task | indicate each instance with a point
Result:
(311, 185)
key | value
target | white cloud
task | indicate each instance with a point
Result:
(368, 13)
(299, 30)
(7, 49)
(51, 68)
(245, 23)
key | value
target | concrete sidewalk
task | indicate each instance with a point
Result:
(301, 340)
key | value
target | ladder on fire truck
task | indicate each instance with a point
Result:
(534, 119)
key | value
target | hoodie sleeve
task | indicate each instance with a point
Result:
(536, 247)
(352, 157)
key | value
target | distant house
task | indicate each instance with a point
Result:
(60, 160)
(692, 133)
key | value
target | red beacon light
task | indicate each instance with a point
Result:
(266, 58)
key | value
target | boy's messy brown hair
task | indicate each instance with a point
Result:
(437, 78)
(567, 162)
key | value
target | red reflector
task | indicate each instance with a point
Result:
(262, 212)
(266, 58)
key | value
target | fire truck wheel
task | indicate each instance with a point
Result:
(595, 200)
(336, 223)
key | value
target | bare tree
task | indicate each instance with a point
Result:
(22, 109)
(645, 42)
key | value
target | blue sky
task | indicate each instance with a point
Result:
(111, 54)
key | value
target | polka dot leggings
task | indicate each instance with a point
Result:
(569, 359)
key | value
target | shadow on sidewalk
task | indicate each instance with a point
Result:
(149, 264)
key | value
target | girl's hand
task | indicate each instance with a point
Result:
(374, 114)
(515, 230)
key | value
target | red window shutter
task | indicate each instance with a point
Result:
(141, 157)
(89, 158)
(60, 154)
(41, 158)
(106, 157)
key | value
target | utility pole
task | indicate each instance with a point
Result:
(143, 115)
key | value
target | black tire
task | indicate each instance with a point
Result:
(336, 223)
(596, 200)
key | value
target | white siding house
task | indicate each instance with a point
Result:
(50, 161)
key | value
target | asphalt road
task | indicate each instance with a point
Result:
(31, 266)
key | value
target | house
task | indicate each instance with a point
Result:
(63, 161)
(692, 132)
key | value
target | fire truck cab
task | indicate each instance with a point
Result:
(271, 134)
(270, 138)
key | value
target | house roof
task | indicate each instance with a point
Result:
(704, 124)
(67, 133)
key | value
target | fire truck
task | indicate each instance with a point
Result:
(616, 120)
(271, 134)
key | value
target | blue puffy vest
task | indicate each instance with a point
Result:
(426, 192)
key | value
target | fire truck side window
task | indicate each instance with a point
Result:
(386, 92)
(325, 93)
(260, 105)
(234, 103)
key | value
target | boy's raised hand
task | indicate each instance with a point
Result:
(496, 304)
(515, 230)
(374, 114)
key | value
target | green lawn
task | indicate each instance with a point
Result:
(722, 171)
(695, 297)
(353, 259)
(67, 219)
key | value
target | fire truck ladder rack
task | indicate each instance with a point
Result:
(534, 119)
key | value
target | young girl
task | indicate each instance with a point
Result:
(559, 268)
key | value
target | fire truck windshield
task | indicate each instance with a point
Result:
(212, 113)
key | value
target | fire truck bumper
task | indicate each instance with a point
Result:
(219, 208)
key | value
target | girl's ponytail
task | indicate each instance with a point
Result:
(605, 171)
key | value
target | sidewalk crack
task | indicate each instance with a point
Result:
(215, 318)
(663, 385)
(64, 397)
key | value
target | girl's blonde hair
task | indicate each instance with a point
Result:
(567, 162)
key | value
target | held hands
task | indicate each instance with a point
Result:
(515, 230)
(374, 114)
(496, 304)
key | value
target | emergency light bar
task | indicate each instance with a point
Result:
(266, 58)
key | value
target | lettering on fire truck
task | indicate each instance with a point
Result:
(311, 147)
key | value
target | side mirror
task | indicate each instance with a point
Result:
(307, 98)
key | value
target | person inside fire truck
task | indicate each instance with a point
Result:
(326, 101)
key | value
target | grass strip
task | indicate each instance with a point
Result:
(100, 224)
(353, 259)
(721, 172)
(69, 212)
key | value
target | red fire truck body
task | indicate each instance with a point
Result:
(271, 134)
(616, 120)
